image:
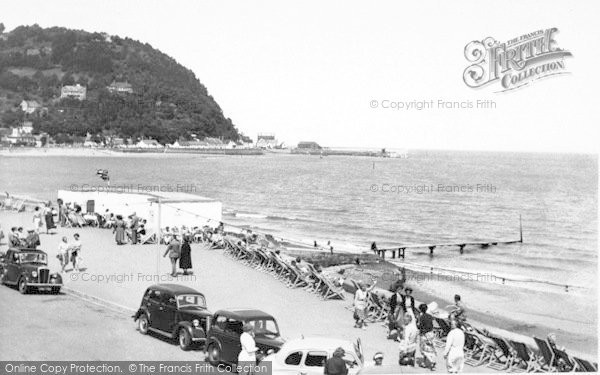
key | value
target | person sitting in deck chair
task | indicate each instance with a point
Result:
(457, 311)
(408, 344)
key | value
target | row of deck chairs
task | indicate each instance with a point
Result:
(378, 309)
(267, 261)
(499, 353)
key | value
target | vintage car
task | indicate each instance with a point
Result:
(307, 356)
(27, 269)
(223, 343)
(174, 311)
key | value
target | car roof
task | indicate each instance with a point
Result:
(175, 289)
(243, 313)
(318, 343)
(26, 250)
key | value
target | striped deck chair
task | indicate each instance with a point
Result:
(525, 359)
(296, 278)
(264, 259)
(380, 309)
(149, 238)
(478, 349)
(281, 270)
(547, 355)
(563, 361)
(318, 284)
(330, 291)
(503, 357)
(584, 365)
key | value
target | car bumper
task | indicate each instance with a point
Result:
(43, 285)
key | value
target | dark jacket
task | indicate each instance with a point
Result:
(335, 366)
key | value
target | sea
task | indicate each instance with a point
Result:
(422, 197)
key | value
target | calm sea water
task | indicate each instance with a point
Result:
(334, 199)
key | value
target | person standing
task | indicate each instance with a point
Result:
(247, 356)
(49, 218)
(119, 230)
(408, 344)
(37, 219)
(185, 262)
(13, 238)
(75, 249)
(454, 352)
(361, 300)
(426, 337)
(63, 253)
(33, 239)
(135, 221)
(62, 213)
(336, 364)
(174, 252)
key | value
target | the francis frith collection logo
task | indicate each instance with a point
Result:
(515, 63)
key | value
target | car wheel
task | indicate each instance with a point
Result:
(214, 355)
(23, 288)
(143, 324)
(185, 339)
(55, 289)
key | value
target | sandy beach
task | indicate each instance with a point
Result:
(120, 274)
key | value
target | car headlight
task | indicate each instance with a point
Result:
(33, 273)
(196, 322)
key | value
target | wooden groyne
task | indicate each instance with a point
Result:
(400, 250)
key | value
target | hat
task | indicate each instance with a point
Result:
(247, 327)
(30, 230)
(378, 355)
(339, 351)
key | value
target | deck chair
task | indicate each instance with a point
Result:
(584, 365)
(563, 361)
(331, 291)
(442, 330)
(478, 349)
(547, 355)
(525, 359)
(502, 358)
(149, 238)
(380, 310)
(297, 279)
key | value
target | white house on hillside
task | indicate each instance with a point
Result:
(30, 106)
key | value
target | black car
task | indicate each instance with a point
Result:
(174, 311)
(223, 343)
(28, 269)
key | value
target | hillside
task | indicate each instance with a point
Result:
(163, 100)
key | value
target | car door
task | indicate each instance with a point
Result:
(163, 313)
(292, 364)
(170, 313)
(314, 363)
(12, 267)
(152, 305)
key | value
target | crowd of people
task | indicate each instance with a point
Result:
(412, 326)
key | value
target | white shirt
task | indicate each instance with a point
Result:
(455, 343)
(248, 352)
(360, 299)
(63, 247)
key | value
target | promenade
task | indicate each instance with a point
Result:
(120, 275)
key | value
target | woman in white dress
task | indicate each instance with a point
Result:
(247, 356)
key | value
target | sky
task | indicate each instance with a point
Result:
(314, 70)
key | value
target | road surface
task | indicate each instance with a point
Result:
(45, 327)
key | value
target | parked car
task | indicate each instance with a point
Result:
(224, 345)
(174, 311)
(307, 356)
(27, 269)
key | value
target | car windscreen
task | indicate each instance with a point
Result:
(33, 258)
(191, 301)
(265, 328)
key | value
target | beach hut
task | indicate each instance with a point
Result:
(164, 208)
